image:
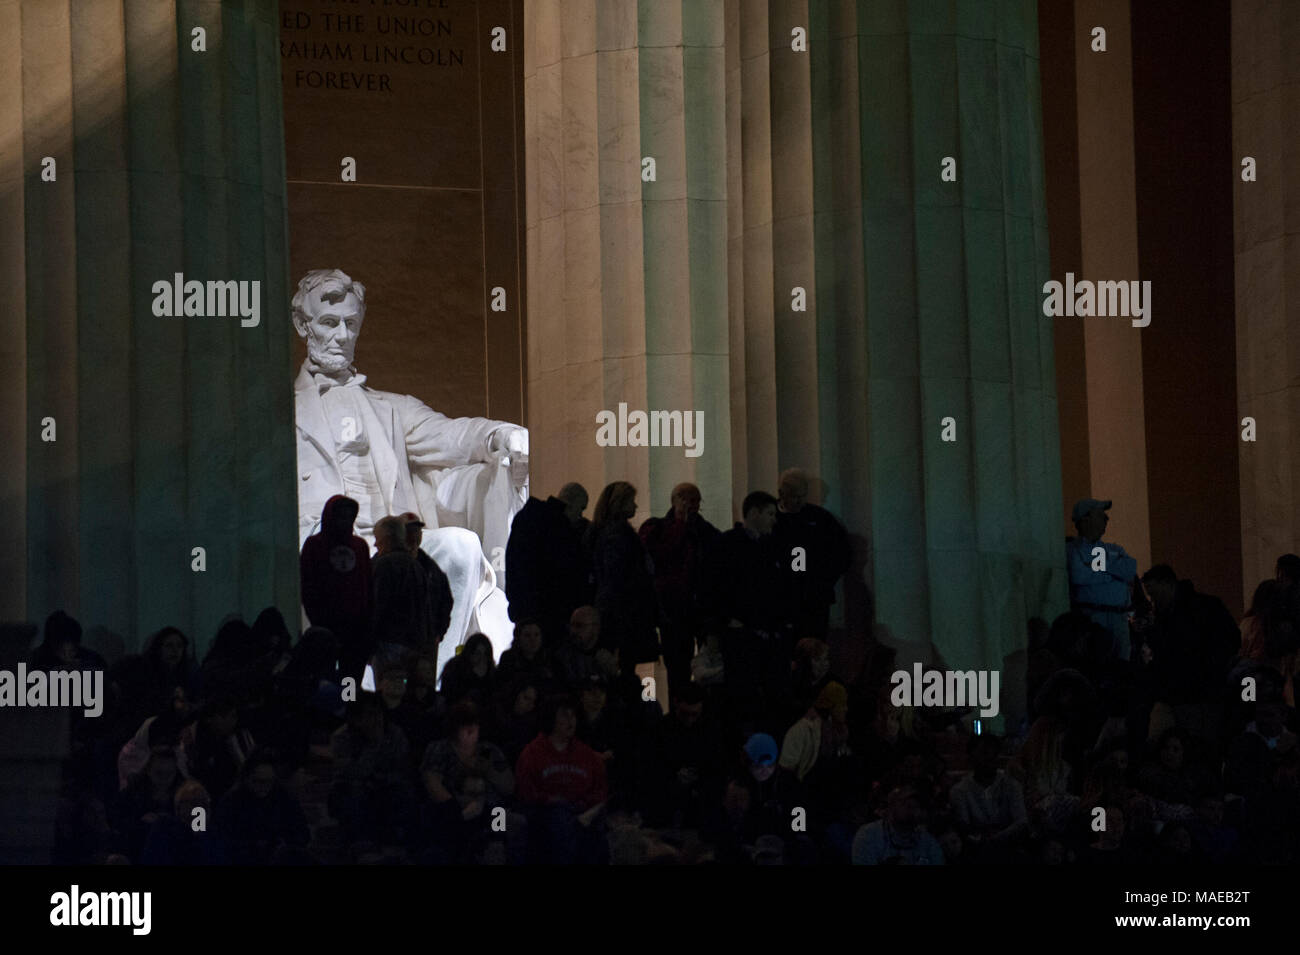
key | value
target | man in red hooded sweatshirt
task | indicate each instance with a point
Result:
(335, 569)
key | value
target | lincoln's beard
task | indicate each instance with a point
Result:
(328, 363)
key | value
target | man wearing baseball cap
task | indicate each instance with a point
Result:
(1101, 575)
(438, 587)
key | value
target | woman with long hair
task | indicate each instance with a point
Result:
(170, 659)
(1262, 613)
(470, 674)
(625, 590)
(1045, 774)
(1269, 638)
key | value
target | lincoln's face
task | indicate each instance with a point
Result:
(333, 322)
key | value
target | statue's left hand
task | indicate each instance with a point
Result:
(513, 444)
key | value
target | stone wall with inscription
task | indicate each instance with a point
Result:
(431, 115)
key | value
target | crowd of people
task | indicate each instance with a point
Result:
(766, 737)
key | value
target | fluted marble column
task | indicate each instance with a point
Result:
(172, 433)
(929, 307)
(923, 297)
(1109, 246)
(770, 191)
(1265, 104)
(626, 279)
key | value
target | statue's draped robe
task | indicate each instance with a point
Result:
(395, 454)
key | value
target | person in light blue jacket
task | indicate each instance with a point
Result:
(899, 837)
(1100, 588)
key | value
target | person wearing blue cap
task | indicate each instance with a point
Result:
(761, 753)
(759, 756)
(1101, 575)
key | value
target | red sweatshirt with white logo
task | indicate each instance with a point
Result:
(575, 775)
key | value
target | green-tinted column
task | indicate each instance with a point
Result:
(159, 433)
(110, 468)
(241, 468)
(174, 432)
(793, 256)
(940, 288)
(49, 212)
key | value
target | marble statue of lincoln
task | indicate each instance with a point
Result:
(465, 477)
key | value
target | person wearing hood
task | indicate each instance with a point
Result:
(335, 568)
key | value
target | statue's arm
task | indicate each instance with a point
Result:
(434, 440)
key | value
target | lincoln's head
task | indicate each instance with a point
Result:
(328, 309)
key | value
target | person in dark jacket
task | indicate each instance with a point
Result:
(172, 839)
(169, 658)
(146, 797)
(470, 674)
(372, 796)
(271, 635)
(547, 569)
(682, 762)
(515, 719)
(61, 649)
(305, 694)
(1192, 642)
(217, 746)
(825, 547)
(259, 817)
(748, 604)
(527, 657)
(335, 569)
(581, 656)
(234, 667)
(676, 544)
(467, 780)
(400, 605)
(1189, 648)
(438, 586)
(625, 590)
(744, 585)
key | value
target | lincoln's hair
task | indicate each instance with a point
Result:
(318, 277)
